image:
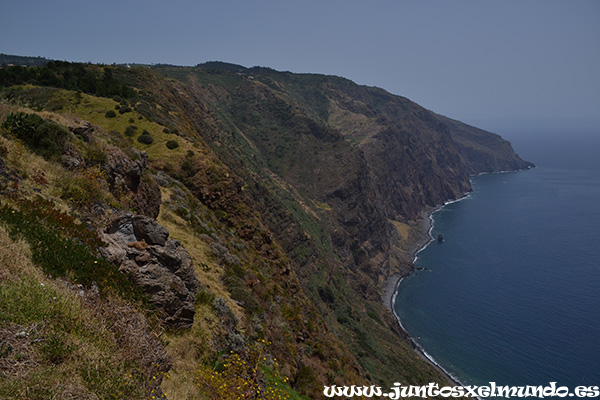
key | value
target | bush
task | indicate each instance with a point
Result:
(130, 130)
(85, 188)
(243, 373)
(124, 109)
(145, 138)
(42, 136)
(110, 114)
(172, 144)
(95, 156)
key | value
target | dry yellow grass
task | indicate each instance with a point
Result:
(200, 252)
(15, 258)
(402, 229)
(188, 349)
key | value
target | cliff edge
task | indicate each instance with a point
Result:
(290, 200)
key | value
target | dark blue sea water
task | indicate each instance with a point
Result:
(513, 295)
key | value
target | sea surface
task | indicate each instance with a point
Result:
(512, 295)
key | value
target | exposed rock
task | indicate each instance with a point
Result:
(162, 267)
(127, 175)
(83, 129)
(148, 197)
(149, 231)
(71, 159)
(123, 172)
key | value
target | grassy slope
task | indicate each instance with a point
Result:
(243, 102)
(204, 337)
(56, 343)
(307, 322)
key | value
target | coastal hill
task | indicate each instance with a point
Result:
(238, 219)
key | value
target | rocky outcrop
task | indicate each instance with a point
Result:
(71, 159)
(162, 267)
(129, 175)
(83, 129)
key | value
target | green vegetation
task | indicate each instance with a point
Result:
(42, 136)
(130, 130)
(145, 138)
(172, 144)
(63, 247)
(279, 185)
(56, 344)
(72, 76)
(238, 377)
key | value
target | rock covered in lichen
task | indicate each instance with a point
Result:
(161, 266)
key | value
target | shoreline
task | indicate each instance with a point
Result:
(391, 287)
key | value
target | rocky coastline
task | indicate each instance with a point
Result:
(390, 289)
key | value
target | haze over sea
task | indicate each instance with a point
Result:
(512, 295)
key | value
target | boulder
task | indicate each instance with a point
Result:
(127, 175)
(84, 129)
(162, 267)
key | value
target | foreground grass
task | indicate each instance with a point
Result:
(60, 341)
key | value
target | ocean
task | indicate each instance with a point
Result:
(512, 295)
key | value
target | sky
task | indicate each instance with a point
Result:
(489, 63)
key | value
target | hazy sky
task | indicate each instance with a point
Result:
(522, 60)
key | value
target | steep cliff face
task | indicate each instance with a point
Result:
(334, 170)
(296, 195)
(368, 155)
(484, 151)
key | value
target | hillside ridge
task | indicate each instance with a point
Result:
(296, 198)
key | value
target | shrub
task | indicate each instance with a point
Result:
(95, 156)
(243, 374)
(204, 296)
(124, 109)
(130, 130)
(85, 188)
(110, 114)
(172, 144)
(145, 138)
(42, 136)
(166, 130)
(188, 167)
